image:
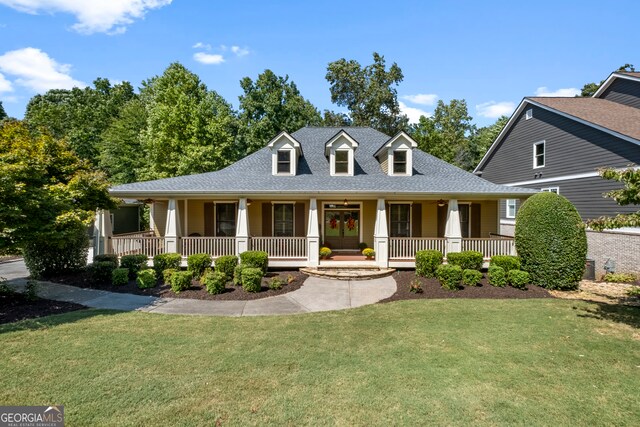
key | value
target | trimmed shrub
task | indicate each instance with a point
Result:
(120, 276)
(619, 277)
(167, 274)
(162, 262)
(251, 279)
(181, 281)
(101, 271)
(325, 252)
(467, 260)
(215, 282)
(369, 253)
(427, 262)
(471, 277)
(275, 283)
(518, 279)
(237, 275)
(497, 276)
(551, 241)
(134, 263)
(508, 262)
(449, 276)
(227, 264)
(107, 257)
(146, 278)
(198, 263)
(255, 259)
(63, 252)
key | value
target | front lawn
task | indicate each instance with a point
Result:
(446, 362)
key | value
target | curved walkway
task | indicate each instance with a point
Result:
(316, 294)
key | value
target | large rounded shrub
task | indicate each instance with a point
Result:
(551, 241)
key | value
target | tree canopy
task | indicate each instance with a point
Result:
(628, 195)
(3, 114)
(270, 105)
(369, 93)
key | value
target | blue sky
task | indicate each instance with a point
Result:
(491, 53)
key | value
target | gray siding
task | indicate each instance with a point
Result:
(623, 91)
(586, 194)
(570, 148)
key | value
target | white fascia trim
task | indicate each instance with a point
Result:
(284, 134)
(610, 79)
(507, 221)
(393, 139)
(562, 178)
(353, 142)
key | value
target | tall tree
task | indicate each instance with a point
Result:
(591, 88)
(3, 114)
(189, 128)
(270, 105)
(80, 115)
(480, 141)
(369, 93)
(121, 153)
(628, 195)
(446, 133)
(333, 119)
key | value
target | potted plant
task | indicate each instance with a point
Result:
(369, 253)
(325, 252)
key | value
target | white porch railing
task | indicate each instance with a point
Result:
(281, 247)
(406, 247)
(489, 246)
(214, 246)
(133, 245)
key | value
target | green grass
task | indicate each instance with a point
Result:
(446, 362)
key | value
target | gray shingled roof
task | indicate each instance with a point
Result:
(252, 175)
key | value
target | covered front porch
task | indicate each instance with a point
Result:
(293, 231)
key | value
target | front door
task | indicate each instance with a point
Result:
(342, 229)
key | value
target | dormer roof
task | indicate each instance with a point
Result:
(400, 135)
(342, 133)
(286, 137)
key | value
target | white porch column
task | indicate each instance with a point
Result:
(381, 236)
(102, 233)
(453, 231)
(172, 228)
(152, 219)
(313, 235)
(242, 228)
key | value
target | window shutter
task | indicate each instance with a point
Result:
(416, 219)
(442, 220)
(267, 223)
(209, 215)
(475, 219)
(300, 226)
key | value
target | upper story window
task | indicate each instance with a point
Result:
(341, 159)
(539, 154)
(511, 208)
(400, 162)
(551, 189)
(528, 114)
(284, 161)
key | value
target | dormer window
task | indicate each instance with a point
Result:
(340, 151)
(342, 162)
(400, 162)
(284, 161)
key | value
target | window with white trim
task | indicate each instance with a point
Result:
(341, 160)
(511, 208)
(528, 114)
(400, 162)
(400, 220)
(539, 154)
(551, 190)
(226, 219)
(284, 161)
(283, 214)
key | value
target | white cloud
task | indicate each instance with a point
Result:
(422, 98)
(566, 92)
(493, 110)
(240, 51)
(208, 58)
(412, 113)
(201, 45)
(37, 71)
(5, 85)
(94, 16)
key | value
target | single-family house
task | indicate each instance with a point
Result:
(321, 186)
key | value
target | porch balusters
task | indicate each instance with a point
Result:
(453, 231)
(381, 236)
(313, 235)
(172, 228)
(242, 228)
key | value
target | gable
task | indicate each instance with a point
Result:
(623, 91)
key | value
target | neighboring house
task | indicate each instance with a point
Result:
(337, 187)
(558, 144)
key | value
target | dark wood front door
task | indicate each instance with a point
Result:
(342, 229)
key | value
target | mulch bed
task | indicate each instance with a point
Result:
(15, 307)
(83, 280)
(433, 290)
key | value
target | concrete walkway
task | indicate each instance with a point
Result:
(316, 294)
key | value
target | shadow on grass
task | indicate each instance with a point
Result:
(55, 320)
(629, 315)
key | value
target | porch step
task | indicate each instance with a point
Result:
(355, 272)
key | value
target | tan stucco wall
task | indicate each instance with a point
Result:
(429, 219)
(196, 217)
(255, 218)
(369, 208)
(488, 218)
(159, 212)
